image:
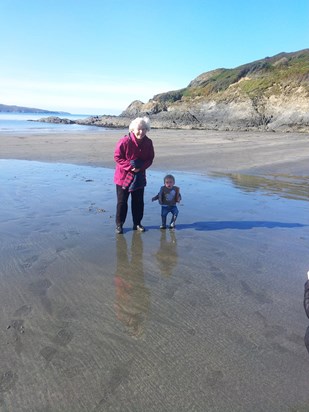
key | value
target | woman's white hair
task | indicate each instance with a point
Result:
(143, 122)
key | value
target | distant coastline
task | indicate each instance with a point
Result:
(4, 108)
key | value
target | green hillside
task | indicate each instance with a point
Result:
(267, 76)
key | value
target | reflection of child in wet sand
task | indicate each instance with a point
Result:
(306, 306)
(167, 254)
(168, 196)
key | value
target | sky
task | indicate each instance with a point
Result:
(97, 56)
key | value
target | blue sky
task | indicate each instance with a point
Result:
(97, 56)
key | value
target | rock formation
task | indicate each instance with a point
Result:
(271, 94)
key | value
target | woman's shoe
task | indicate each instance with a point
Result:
(139, 228)
(119, 230)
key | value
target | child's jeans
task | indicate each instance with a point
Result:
(165, 210)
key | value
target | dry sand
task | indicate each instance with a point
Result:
(207, 317)
(184, 150)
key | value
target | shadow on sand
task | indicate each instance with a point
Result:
(240, 225)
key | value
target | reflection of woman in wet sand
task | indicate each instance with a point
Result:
(167, 253)
(132, 298)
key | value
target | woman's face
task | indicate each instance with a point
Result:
(139, 132)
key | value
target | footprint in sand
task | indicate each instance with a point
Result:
(277, 331)
(17, 326)
(118, 376)
(51, 354)
(48, 353)
(23, 311)
(63, 337)
(29, 262)
(40, 288)
(8, 380)
(259, 296)
(67, 364)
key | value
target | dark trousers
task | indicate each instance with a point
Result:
(137, 205)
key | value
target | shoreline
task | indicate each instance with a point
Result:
(181, 150)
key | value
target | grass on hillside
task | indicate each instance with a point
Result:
(257, 78)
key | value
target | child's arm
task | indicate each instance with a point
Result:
(178, 195)
(158, 196)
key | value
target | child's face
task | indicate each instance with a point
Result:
(169, 183)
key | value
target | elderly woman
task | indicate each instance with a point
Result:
(133, 155)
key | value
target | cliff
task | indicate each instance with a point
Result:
(271, 94)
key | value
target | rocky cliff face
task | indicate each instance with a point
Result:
(269, 94)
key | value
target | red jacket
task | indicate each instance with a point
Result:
(128, 149)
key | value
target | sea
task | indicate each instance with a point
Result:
(21, 122)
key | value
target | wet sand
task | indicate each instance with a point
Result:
(205, 317)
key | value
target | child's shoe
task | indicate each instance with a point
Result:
(173, 222)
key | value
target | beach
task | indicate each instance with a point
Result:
(206, 317)
(198, 150)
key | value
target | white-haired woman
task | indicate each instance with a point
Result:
(134, 153)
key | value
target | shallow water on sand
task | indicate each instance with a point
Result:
(207, 316)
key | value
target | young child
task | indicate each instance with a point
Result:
(168, 196)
